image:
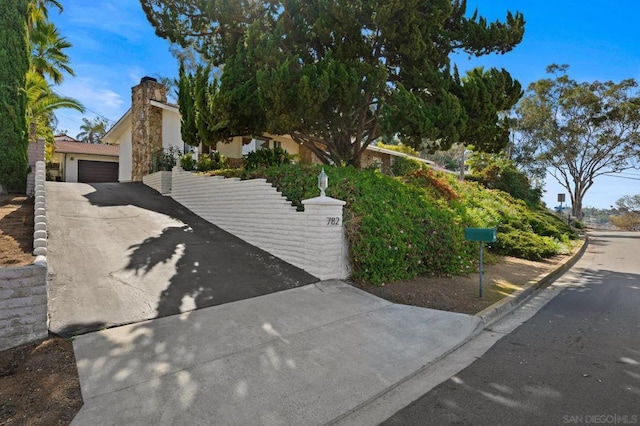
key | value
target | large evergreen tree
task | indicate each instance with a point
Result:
(486, 96)
(14, 65)
(335, 75)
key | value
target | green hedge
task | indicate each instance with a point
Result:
(14, 64)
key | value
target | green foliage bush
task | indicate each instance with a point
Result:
(578, 224)
(228, 172)
(399, 228)
(393, 232)
(525, 244)
(165, 160)
(187, 162)
(264, 158)
(523, 231)
(403, 166)
(211, 161)
(405, 149)
(497, 172)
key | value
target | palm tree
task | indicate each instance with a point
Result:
(42, 102)
(38, 11)
(47, 52)
(93, 130)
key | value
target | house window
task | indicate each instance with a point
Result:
(277, 144)
(253, 145)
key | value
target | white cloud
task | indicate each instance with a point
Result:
(98, 98)
(94, 95)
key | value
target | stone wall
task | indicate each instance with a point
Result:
(256, 212)
(146, 122)
(23, 305)
(23, 290)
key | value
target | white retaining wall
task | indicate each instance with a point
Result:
(160, 181)
(256, 212)
(23, 290)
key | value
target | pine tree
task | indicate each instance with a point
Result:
(14, 65)
(335, 75)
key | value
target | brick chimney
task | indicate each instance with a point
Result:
(146, 125)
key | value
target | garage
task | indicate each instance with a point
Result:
(86, 162)
(97, 171)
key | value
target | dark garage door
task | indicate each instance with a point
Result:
(97, 171)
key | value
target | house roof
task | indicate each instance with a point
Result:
(64, 137)
(117, 129)
(165, 105)
(399, 154)
(432, 164)
(124, 123)
(66, 147)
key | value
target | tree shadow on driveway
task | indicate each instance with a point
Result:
(212, 267)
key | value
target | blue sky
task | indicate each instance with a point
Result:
(114, 46)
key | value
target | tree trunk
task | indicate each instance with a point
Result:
(576, 208)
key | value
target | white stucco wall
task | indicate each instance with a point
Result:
(253, 210)
(232, 149)
(126, 155)
(71, 164)
(287, 144)
(171, 130)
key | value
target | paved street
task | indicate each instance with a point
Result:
(121, 253)
(577, 361)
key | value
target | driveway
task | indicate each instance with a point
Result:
(122, 253)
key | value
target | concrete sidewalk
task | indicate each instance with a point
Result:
(302, 356)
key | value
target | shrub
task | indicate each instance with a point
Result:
(497, 172)
(229, 172)
(578, 224)
(403, 166)
(428, 179)
(400, 228)
(405, 149)
(265, 158)
(211, 161)
(393, 232)
(166, 159)
(525, 244)
(522, 231)
(187, 162)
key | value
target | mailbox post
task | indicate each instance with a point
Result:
(481, 235)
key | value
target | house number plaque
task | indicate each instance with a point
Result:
(333, 221)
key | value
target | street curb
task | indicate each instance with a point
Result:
(495, 312)
(487, 316)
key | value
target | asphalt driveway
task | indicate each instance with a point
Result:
(122, 253)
